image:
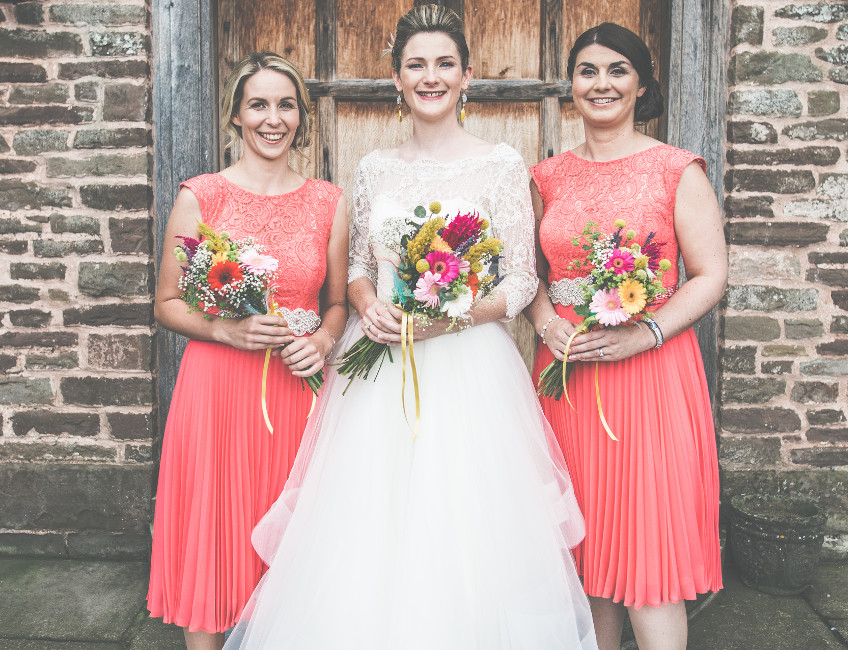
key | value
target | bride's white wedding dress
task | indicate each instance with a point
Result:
(458, 540)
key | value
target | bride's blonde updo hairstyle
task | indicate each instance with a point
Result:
(624, 41)
(429, 18)
(234, 89)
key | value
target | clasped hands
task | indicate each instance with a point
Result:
(382, 323)
(604, 344)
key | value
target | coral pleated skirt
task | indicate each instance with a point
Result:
(651, 500)
(220, 472)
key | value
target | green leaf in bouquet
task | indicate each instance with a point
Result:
(419, 211)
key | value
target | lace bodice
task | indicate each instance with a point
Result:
(495, 185)
(294, 227)
(641, 189)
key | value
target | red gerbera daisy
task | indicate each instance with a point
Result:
(223, 273)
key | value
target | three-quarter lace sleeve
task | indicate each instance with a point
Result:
(361, 262)
(513, 223)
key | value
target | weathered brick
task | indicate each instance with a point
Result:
(107, 391)
(25, 390)
(820, 457)
(750, 264)
(29, 318)
(29, 13)
(748, 207)
(821, 257)
(86, 91)
(38, 44)
(131, 426)
(835, 348)
(751, 390)
(837, 367)
(120, 314)
(772, 68)
(776, 367)
(98, 14)
(123, 44)
(821, 12)
(21, 115)
(10, 226)
(823, 102)
(838, 325)
(841, 32)
(836, 55)
(765, 102)
(763, 419)
(769, 180)
(130, 235)
(7, 362)
(749, 132)
(22, 72)
(776, 233)
(798, 35)
(838, 74)
(17, 293)
(780, 350)
(803, 328)
(53, 93)
(28, 143)
(116, 197)
(747, 25)
(823, 156)
(16, 247)
(764, 298)
(104, 69)
(59, 360)
(38, 339)
(121, 279)
(814, 392)
(15, 195)
(750, 328)
(54, 423)
(30, 271)
(16, 166)
(125, 102)
(20, 450)
(138, 453)
(834, 210)
(99, 165)
(53, 248)
(740, 361)
(832, 185)
(120, 351)
(60, 223)
(824, 434)
(4, 146)
(107, 138)
(33, 544)
(839, 298)
(829, 277)
(829, 129)
(749, 451)
(826, 416)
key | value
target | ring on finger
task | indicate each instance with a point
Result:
(368, 326)
(601, 353)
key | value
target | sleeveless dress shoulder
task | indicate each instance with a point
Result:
(221, 469)
(651, 500)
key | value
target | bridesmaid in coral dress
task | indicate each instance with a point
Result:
(651, 499)
(221, 468)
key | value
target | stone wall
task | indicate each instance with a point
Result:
(783, 391)
(76, 278)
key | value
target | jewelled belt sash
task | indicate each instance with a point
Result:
(569, 291)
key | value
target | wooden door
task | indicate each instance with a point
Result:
(518, 52)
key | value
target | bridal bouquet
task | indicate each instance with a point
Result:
(439, 273)
(230, 279)
(623, 280)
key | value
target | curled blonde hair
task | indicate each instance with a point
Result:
(234, 89)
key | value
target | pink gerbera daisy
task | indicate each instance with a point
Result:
(621, 261)
(428, 289)
(443, 264)
(607, 308)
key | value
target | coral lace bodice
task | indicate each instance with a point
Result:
(641, 189)
(293, 227)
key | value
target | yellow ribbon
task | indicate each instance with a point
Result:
(407, 344)
(263, 396)
(599, 407)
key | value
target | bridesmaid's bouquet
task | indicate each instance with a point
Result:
(229, 279)
(623, 281)
(439, 274)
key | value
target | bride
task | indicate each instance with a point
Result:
(458, 539)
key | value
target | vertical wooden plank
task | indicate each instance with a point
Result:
(363, 31)
(286, 27)
(652, 32)
(504, 38)
(325, 43)
(580, 15)
(550, 70)
(572, 128)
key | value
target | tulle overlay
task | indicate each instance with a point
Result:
(220, 472)
(650, 500)
(456, 540)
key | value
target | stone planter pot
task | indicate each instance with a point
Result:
(775, 540)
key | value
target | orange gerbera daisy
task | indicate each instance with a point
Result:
(222, 274)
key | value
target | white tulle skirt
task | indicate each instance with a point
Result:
(457, 540)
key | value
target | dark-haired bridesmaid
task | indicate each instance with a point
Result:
(650, 499)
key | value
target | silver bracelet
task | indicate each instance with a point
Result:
(656, 331)
(325, 330)
(543, 331)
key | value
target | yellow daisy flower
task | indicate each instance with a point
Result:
(632, 296)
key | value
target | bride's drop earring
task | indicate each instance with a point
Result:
(398, 103)
(462, 107)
